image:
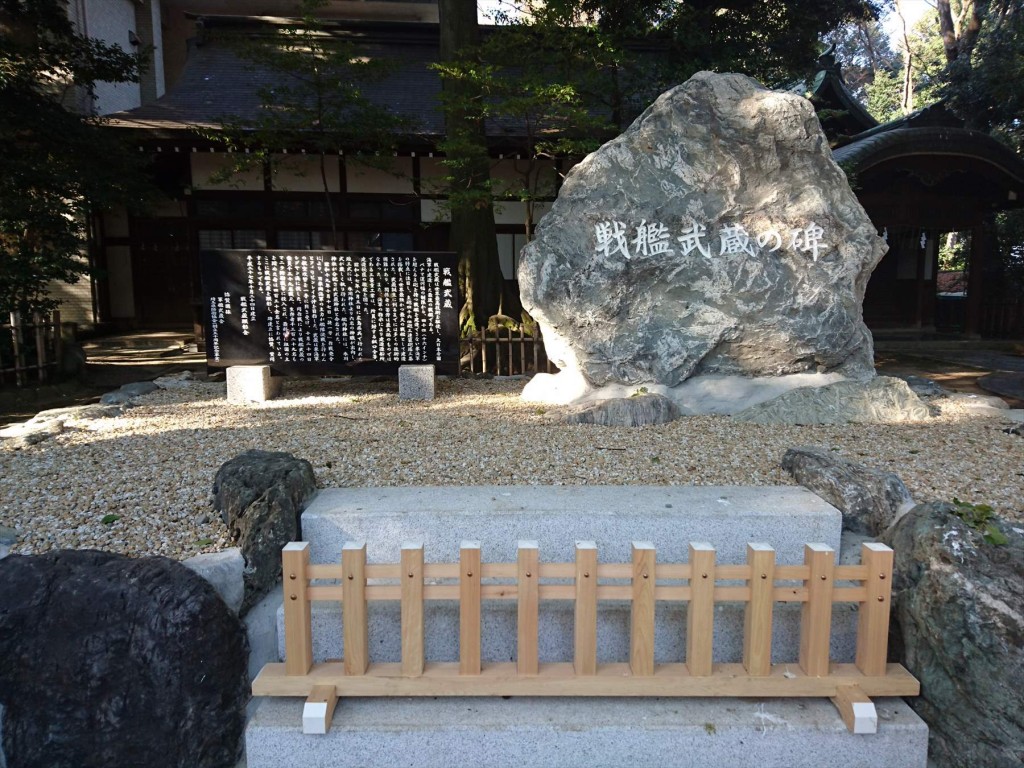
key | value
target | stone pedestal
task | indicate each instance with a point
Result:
(251, 384)
(416, 382)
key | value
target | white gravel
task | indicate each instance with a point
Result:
(153, 468)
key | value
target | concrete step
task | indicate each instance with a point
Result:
(576, 732)
(590, 733)
(787, 517)
(613, 516)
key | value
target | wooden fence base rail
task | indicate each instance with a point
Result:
(528, 582)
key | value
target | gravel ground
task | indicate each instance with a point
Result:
(153, 468)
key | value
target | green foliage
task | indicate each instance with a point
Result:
(639, 392)
(313, 97)
(981, 518)
(774, 41)
(56, 165)
(547, 105)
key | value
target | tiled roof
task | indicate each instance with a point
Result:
(218, 84)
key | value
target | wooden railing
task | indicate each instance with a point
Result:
(1002, 319)
(759, 584)
(30, 351)
(505, 352)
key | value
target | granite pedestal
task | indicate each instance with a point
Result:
(568, 732)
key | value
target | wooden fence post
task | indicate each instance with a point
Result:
(469, 608)
(528, 598)
(873, 615)
(40, 334)
(355, 629)
(700, 614)
(641, 620)
(19, 354)
(757, 619)
(816, 615)
(412, 609)
(585, 624)
(58, 342)
(298, 633)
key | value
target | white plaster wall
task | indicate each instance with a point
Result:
(507, 174)
(75, 301)
(432, 212)
(158, 45)
(119, 281)
(432, 175)
(111, 21)
(514, 212)
(115, 222)
(362, 178)
(206, 164)
(301, 173)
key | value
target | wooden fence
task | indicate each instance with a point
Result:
(1002, 319)
(505, 352)
(30, 351)
(758, 584)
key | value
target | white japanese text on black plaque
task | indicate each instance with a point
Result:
(331, 312)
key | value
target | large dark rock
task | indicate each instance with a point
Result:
(958, 626)
(260, 496)
(870, 500)
(111, 661)
(715, 236)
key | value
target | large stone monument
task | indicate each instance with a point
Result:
(713, 252)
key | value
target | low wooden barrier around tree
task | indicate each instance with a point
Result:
(30, 350)
(759, 584)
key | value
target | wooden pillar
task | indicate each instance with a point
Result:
(975, 278)
(921, 251)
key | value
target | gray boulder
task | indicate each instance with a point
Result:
(118, 397)
(881, 400)
(112, 661)
(923, 387)
(30, 432)
(8, 538)
(958, 626)
(870, 500)
(181, 380)
(716, 235)
(139, 388)
(79, 413)
(260, 496)
(637, 411)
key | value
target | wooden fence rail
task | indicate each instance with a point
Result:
(758, 584)
(30, 350)
(505, 352)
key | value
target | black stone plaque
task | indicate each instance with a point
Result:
(331, 312)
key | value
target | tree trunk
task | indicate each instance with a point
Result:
(907, 93)
(472, 229)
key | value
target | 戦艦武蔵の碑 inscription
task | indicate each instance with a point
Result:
(330, 312)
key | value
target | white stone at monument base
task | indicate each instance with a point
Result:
(699, 394)
(251, 384)
(416, 382)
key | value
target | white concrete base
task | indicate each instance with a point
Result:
(700, 394)
(416, 382)
(251, 384)
(261, 629)
(596, 733)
